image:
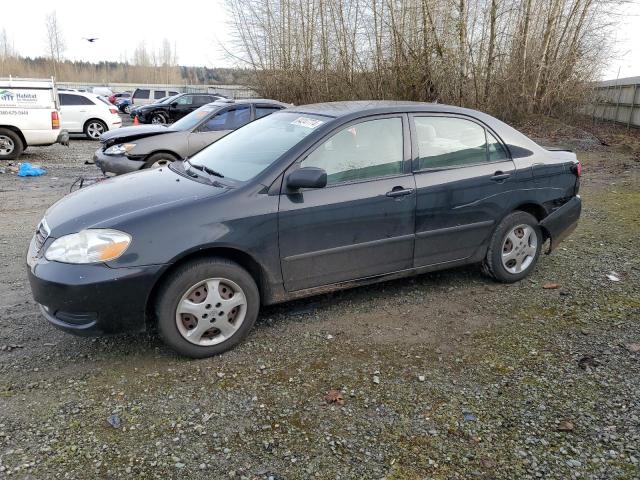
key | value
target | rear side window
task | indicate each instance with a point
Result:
(158, 94)
(449, 142)
(203, 99)
(496, 149)
(68, 99)
(142, 94)
(366, 150)
(172, 93)
(264, 111)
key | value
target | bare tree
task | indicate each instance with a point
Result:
(509, 57)
(55, 41)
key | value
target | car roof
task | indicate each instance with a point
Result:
(342, 109)
(229, 101)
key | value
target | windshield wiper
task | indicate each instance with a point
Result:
(205, 169)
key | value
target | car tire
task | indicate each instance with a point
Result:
(158, 119)
(158, 160)
(10, 144)
(514, 248)
(94, 128)
(203, 328)
(127, 109)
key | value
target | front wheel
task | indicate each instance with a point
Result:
(158, 119)
(515, 248)
(158, 160)
(207, 307)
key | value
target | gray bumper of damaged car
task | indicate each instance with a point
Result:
(117, 164)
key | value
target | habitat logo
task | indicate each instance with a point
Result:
(6, 96)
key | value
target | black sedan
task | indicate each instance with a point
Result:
(306, 200)
(172, 109)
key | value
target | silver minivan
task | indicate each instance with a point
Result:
(145, 96)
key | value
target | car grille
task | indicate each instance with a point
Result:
(42, 233)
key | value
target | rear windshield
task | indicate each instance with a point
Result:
(244, 153)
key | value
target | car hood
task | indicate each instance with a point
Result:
(126, 134)
(111, 202)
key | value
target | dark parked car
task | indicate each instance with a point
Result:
(124, 105)
(146, 146)
(306, 200)
(113, 98)
(170, 111)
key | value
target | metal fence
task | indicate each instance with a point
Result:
(232, 91)
(618, 101)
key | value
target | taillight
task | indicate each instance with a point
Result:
(577, 169)
(55, 121)
(113, 110)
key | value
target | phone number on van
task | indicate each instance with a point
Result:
(14, 112)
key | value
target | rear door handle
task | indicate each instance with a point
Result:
(399, 192)
(499, 176)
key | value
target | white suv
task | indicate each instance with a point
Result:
(87, 113)
(28, 115)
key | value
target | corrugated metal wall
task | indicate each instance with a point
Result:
(618, 101)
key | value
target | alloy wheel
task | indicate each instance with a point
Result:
(211, 311)
(519, 248)
(6, 145)
(158, 119)
(95, 129)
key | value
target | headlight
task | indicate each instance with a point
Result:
(88, 246)
(119, 149)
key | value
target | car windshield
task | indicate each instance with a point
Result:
(244, 153)
(189, 121)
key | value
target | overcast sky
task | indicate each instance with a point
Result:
(197, 30)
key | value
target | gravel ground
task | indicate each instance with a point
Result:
(447, 375)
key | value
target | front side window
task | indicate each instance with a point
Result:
(185, 100)
(445, 142)
(366, 150)
(231, 119)
(264, 111)
(244, 153)
(141, 93)
(158, 94)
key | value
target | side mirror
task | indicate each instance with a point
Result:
(174, 104)
(307, 177)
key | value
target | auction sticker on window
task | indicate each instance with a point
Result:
(307, 122)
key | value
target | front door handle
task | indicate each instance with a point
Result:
(399, 192)
(500, 176)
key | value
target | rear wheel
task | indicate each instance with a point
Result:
(10, 144)
(515, 248)
(206, 307)
(158, 160)
(94, 128)
(127, 109)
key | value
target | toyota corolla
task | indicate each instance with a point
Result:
(306, 200)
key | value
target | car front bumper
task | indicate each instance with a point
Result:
(117, 164)
(561, 222)
(92, 299)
